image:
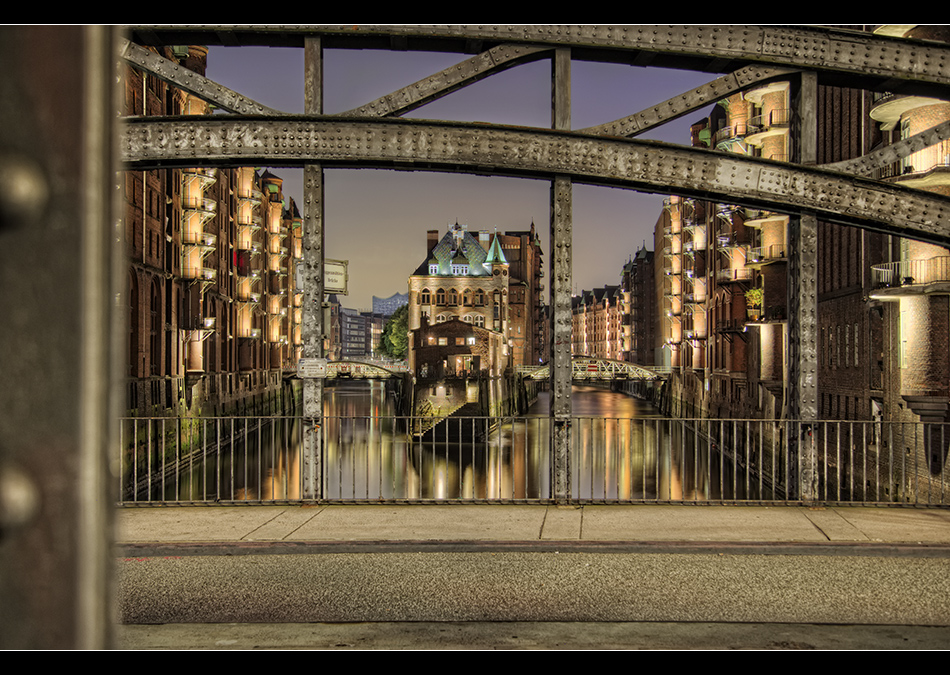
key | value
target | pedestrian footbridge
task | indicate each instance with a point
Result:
(584, 368)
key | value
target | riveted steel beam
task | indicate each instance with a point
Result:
(190, 81)
(446, 81)
(540, 153)
(562, 223)
(865, 166)
(312, 320)
(802, 291)
(865, 59)
(689, 101)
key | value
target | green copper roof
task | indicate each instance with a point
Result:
(495, 254)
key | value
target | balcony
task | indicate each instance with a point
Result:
(755, 217)
(202, 205)
(199, 273)
(199, 238)
(734, 275)
(253, 195)
(772, 123)
(727, 136)
(764, 255)
(253, 221)
(924, 169)
(249, 297)
(911, 277)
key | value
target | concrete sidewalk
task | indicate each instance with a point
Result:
(536, 525)
(473, 576)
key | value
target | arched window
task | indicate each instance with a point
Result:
(453, 297)
(440, 297)
(479, 298)
(425, 298)
(479, 321)
(467, 298)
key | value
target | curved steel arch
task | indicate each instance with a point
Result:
(876, 60)
(478, 148)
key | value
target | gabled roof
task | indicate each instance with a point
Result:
(459, 246)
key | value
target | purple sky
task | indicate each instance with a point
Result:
(377, 220)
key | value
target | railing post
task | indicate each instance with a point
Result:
(312, 328)
(560, 355)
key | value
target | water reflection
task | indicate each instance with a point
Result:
(622, 449)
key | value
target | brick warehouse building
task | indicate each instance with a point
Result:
(214, 320)
(489, 280)
(883, 301)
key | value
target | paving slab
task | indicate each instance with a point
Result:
(429, 522)
(833, 525)
(702, 523)
(192, 524)
(285, 525)
(562, 523)
(900, 525)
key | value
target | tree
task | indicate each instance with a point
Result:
(396, 334)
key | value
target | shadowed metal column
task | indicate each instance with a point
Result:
(60, 251)
(803, 310)
(560, 357)
(313, 329)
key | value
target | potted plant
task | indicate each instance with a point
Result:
(753, 300)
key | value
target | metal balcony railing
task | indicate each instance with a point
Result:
(911, 272)
(731, 275)
(774, 118)
(766, 253)
(203, 273)
(195, 204)
(731, 133)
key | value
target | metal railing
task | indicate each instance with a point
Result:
(912, 272)
(507, 459)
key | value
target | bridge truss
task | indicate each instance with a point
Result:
(585, 368)
(372, 135)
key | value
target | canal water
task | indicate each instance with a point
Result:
(622, 450)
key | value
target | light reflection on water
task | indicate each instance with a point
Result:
(622, 449)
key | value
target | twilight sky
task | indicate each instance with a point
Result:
(377, 220)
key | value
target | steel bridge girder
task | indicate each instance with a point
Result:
(474, 148)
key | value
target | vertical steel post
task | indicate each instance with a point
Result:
(312, 328)
(561, 225)
(60, 261)
(803, 308)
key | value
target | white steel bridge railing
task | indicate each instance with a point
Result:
(256, 460)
